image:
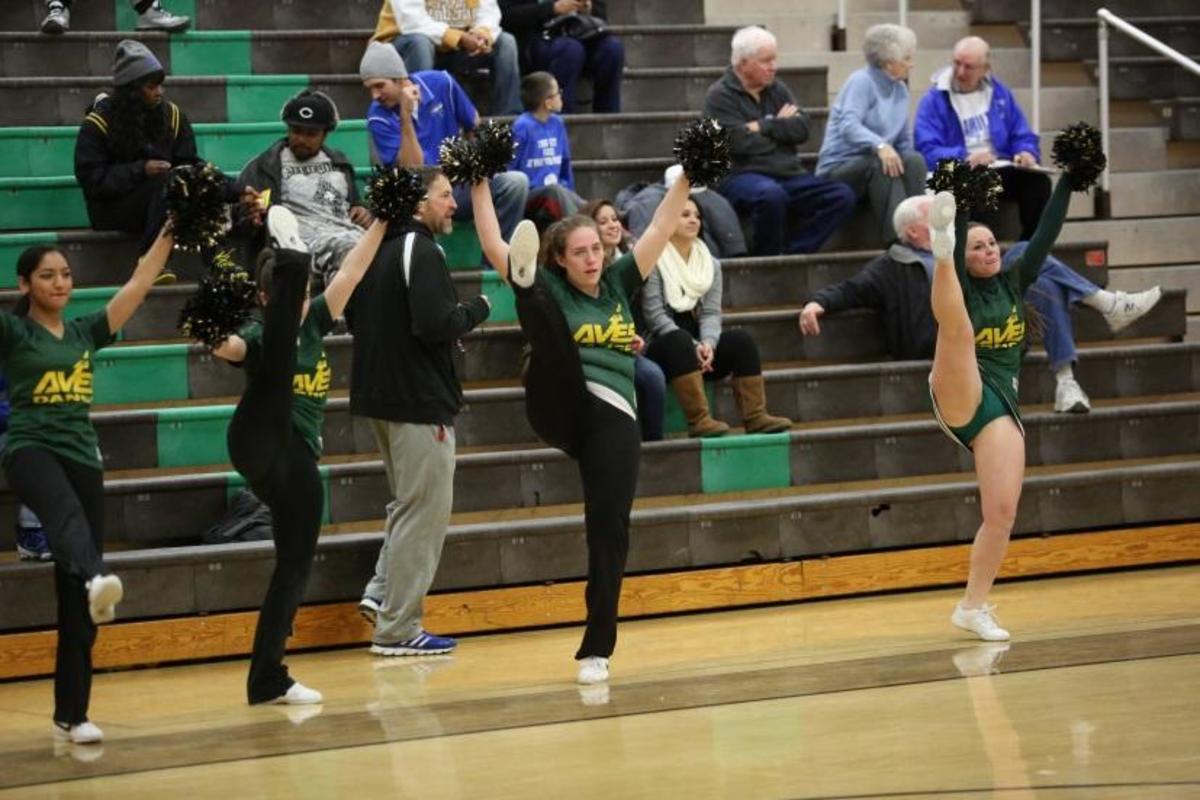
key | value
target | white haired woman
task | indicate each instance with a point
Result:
(868, 142)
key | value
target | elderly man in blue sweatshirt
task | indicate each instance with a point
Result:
(969, 114)
(791, 211)
(868, 144)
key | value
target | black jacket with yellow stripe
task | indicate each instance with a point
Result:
(105, 171)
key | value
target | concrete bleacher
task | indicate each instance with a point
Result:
(865, 470)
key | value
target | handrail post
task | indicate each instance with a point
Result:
(904, 13)
(1035, 63)
(838, 42)
(1103, 203)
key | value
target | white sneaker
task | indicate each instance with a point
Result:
(982, 659)
(523, 249)
(299, 695)
(1128, 308)
(156, 18)
(979, 621)
(1069, 398)
(592, 669)
(104, 592)
(83, 733)
(58, 19)
(941, 225)
(284, 229)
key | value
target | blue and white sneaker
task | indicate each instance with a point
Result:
(32, 544)
(423, 644)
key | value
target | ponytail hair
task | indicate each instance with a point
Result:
(27, 262)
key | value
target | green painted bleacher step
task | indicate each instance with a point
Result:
(11, 246)
(743, 463)
(142, 374)
(189, 437)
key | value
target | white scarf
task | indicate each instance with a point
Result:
(685, 282)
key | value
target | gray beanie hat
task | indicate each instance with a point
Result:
(381, 61)
(133, 61)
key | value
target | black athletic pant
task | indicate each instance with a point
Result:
(736, 354)
(141, 212)
(282, 470)
(1030, 190)
(68, 497)
(605, 441)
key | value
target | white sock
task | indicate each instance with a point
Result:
(1064, 373)
(1102, 300)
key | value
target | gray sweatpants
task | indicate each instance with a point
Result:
(866, 177)
(419, 461)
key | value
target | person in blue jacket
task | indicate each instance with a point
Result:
(969, 114)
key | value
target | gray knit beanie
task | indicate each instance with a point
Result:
(381, 61)
(132, 61)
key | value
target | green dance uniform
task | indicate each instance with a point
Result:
(996, 306)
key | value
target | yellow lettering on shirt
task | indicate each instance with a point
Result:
(617, 335)
(1011, 335)
(56, 386)
(315, 385)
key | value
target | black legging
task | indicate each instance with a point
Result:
(68, 497)
(736, 354)
(280, 467)
(605, 441)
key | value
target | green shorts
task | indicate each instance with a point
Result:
(991, 406)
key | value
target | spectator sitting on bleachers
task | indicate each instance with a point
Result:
(31, 538)
(868, 143)
(151, 17)
(969, 114)
(720, 226)
(649, 383)
(682, 305)
(458, 36)
(897, 284)
(314, 181)
(544, 33)
(543, 152)
(443, 110)
(791, 212)
(126, 147)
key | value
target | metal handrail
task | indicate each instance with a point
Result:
(1035, 63)
(1106, 18)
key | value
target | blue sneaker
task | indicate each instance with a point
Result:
(423, 644)
(32, 544)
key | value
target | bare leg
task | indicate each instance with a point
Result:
(955, 375)
(1000, 468)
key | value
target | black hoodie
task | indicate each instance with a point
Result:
(405, 330)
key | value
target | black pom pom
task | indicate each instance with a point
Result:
(1078, 150)
(496, 147)
(394, 193)
(702, 149)
(221, 305)
(460, 160)
(196, 203)
(975, 187)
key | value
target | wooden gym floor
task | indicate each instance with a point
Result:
(1098, 696)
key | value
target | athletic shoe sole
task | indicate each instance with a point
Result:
(380, 650)
(942, 211)
(284, 229)
(522, 254)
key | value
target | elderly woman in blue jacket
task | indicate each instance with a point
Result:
(969, 114)
(868, 144)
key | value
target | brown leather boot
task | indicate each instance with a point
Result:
(751, 396)
(689, 390)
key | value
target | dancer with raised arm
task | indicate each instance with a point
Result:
(53, 459)
(981, 318)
